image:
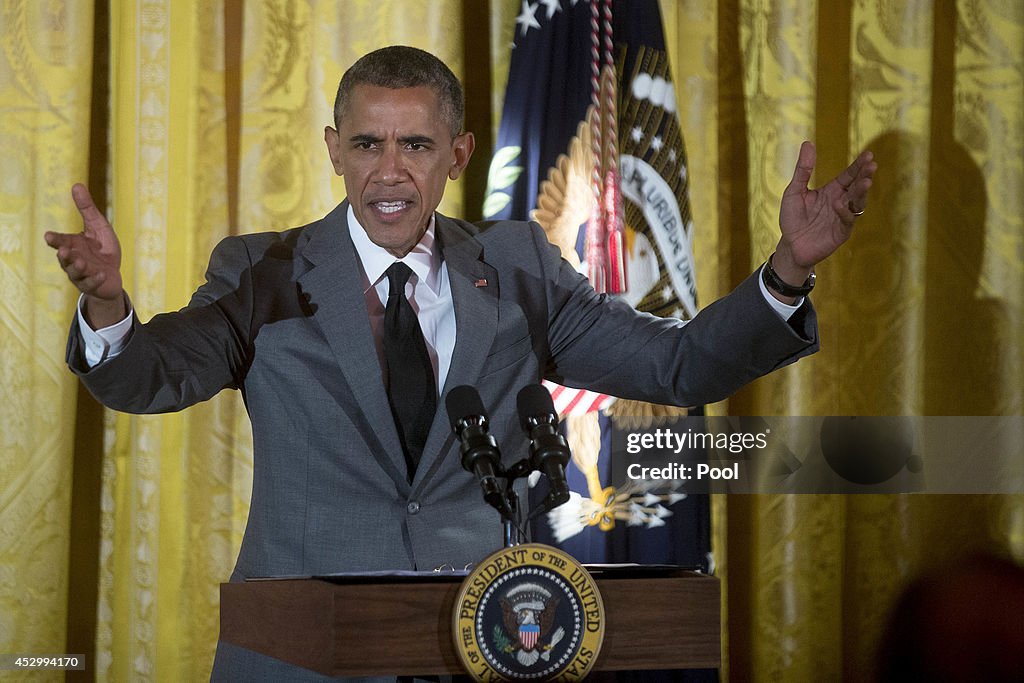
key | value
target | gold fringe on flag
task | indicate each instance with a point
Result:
(630, 414)
(585, 445)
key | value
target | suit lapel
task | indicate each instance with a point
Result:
(475, 297)
(334, 285)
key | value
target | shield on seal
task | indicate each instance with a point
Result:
(528, 634)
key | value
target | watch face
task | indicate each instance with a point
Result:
(775, 283)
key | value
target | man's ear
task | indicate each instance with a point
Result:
(333, 141)
(462, 150)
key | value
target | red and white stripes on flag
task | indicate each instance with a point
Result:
(570, 401)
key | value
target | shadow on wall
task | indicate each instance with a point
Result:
(966, 335)
(918, 339)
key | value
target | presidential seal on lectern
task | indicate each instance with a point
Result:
(529, 612)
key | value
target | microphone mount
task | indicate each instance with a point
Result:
(549, 453)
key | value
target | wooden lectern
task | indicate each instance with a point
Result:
(403, 626)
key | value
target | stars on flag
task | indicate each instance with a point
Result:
(527, 18)
(552, 6)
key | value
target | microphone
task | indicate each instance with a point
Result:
(549, 451)
(480, 454)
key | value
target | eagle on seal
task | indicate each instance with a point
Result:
(529, 612)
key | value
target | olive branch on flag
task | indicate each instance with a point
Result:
(502, 175)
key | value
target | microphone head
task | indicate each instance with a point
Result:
(534, 401)
(461, 402)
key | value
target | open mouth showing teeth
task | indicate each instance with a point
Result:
(389, 207)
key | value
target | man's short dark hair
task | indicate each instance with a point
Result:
(400, 66)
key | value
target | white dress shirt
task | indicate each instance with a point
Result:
(429, 292)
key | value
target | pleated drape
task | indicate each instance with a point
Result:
(45, 90)
(920, 313)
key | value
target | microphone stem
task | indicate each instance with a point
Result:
(511, 537)
(511, 531)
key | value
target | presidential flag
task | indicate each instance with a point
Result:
(590, 147)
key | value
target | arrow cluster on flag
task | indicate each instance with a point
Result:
(638, 503)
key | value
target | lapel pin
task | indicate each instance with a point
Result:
(480, 283)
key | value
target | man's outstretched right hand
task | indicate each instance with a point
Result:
(92, 261)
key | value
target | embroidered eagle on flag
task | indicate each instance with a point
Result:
(591, 148)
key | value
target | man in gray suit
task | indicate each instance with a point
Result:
(299, 322)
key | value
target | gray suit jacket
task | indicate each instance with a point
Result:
(281, 317)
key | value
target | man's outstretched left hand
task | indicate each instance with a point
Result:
(815, 223)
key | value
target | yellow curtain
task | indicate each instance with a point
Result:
(45, 91)
(202, 118)
(920, 313)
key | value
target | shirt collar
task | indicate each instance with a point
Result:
(424, 259)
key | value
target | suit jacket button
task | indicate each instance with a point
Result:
(413, 507)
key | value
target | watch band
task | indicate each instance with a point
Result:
(774, 282)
